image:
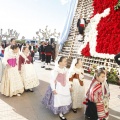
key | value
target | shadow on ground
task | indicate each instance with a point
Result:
(29, 106)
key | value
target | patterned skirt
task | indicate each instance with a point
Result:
(48, 101)
(29, 76)
(78, 94)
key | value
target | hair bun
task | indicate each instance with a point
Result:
(14, 46)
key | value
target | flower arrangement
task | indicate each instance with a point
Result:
(102, 33)
(92, 69)
(117, 6)
(112, 74)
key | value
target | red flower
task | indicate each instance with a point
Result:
(108, 38)
(107, 28)
(86, 50)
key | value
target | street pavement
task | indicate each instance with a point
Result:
(29, 106)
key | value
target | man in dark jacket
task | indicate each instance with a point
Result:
(53, 51)
(32, 51)
(42, 52)
(39, 51)
(81, 24)
(117, 58)
(48, 53)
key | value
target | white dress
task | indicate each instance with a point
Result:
(1, 69)
(63, 96)
(1, 64)
(28, 72)
(78, 93)
(11, 81)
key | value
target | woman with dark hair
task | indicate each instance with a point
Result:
(11, 81)
(27, 70)
(32, 51)
(8, 49)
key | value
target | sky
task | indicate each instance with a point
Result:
(28, 16)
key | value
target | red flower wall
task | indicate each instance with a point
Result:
(108, 38)
(86, 50)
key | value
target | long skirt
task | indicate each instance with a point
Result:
(1, 69)
(11, 82)
(48, 101)
(29, 76)
(78, 94)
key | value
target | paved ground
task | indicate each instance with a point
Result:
(29, 106)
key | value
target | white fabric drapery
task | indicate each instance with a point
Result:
(68, 23)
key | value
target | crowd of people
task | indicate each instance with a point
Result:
(46, 54)
(67, 91)
(18, 71)
(67, 88)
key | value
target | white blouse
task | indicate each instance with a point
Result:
(56, 85)
(82, 21)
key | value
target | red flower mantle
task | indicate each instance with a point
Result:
(108, 38)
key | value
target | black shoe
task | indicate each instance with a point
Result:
(27, 90)
(62, 118)
(31, 90)
(49, 68)
(74, 110)
(42, 66)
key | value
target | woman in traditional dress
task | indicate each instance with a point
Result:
(1, 65)
(76, 78)
(11, 81)
(1, 68)
(97, 100)
(57, 97)
(27, 70)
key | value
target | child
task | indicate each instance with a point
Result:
(97, 98)
(57, 97)
(76, 78)
(11, 80)
(28, 73)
